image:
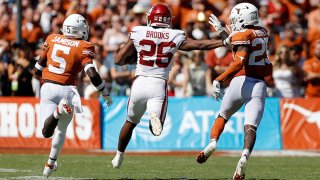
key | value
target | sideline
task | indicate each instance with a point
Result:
(258, 153)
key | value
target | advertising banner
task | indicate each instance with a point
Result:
(187, 126)
(20, 126)
(300, 123)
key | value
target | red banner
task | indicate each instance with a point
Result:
(20, 125)
(300, 123)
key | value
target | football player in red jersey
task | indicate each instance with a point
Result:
(249, 69)
(155, 45)
(63, 58)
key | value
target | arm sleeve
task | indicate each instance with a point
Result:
(241, 38)
(46, 46)
(180, 38)
(134, 32)
(87, 54)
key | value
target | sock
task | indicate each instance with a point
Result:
(56, 115)
(246, 153)
(217, 128)
(57, 143)
(51, 161)
(119, 153)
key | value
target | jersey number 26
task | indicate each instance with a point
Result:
(156, 50)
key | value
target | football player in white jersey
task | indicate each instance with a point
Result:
(250, 68)
(154, 45)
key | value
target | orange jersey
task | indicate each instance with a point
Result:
(65, 58)
(256, 39)
(313, 86)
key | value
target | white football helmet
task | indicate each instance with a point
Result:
(243, 14)
(75, 26)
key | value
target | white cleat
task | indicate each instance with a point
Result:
(240, 172)
(155, 124)
(63, 107)
(117, 161)
(206, 153)
(48, 169)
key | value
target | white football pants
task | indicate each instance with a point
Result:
(50, 96)
(248, 91)
(147, 94)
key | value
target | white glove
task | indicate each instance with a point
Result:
(106, 97)
(213, 20)
(215, 90)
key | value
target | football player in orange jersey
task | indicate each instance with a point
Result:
(249, 69)
(63, 58)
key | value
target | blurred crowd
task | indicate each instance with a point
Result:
(294, 43)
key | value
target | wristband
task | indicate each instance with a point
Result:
(38, 66)
(88, 66)
(101, 86)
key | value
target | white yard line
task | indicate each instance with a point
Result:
(51, 178)
(5, 170)
(277, 153)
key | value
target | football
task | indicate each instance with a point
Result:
(132, 59)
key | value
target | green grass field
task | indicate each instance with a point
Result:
(158, 167)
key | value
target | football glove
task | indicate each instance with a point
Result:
(213, 20)
(106, 97)
(215, 90)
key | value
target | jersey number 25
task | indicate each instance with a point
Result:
(259, 56)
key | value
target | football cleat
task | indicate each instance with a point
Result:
(206, 153)
(155, 124)
(63, 107)
(48, 169)
(240, 172)
(117, 161)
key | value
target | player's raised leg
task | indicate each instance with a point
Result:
(51, 122)
(157, 105)
(231, 103)
(216, 131)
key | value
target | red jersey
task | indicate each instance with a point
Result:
(65, 58)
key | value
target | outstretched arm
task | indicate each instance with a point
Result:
(189, 45)
(126, 51)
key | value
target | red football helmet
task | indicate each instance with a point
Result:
(159, 16)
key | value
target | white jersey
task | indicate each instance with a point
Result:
(155, 48)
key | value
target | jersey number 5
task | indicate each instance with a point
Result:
(259, 56)
(158, 51)
(62, 62)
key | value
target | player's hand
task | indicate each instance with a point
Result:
(215, 90)
(106, 96)
(227, 41)
(216, 24)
